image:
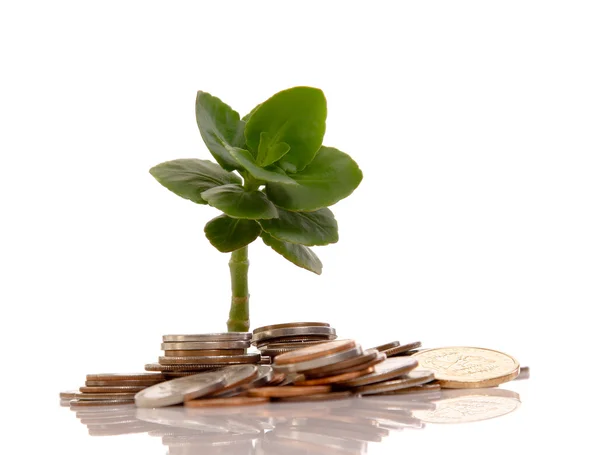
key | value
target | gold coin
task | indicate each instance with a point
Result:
(125, 377)
(315, 352)
(218, 402)
(468, 367)
(112, 389)
(203, 352)
(288, 391)
(334, 379)
(317, 397)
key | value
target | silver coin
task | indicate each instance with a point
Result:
(265, 375)
(211, 360)
(385, 371)
(178, 390)
(204, 337)
(338, 368)
(289, 332)
(202, 345)
(288, 325)
(308, 365)
(412, 378)
(293, 339)
(383, 347)
(104, 396)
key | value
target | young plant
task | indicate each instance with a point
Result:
(273, 180)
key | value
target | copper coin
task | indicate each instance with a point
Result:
(290, 325)
(277, 379)
(265, 360)
(288, 391)
(335, 379)
(122, 383)
(403, 348)
(125, 377)
(181, 374)
(203, 352)
(105, 396)
(388, 369)
(317, 397)
(236, 376)
(309, 365)
(384, 347)
(112, 389)
(314, 352)
(264, 376)
(412, 378)
(197, 368)
(367, 359)
(218, 402)
(68, 395)
(78, 403)
(211, 360)
(293, 339)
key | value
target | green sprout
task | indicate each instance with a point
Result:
(274, 180)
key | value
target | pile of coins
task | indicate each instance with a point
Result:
(185, 355)
(309, 364)
(272, 340)
(110, 389)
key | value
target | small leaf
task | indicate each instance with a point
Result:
(295, 116)
(190, 177)
(272, 174)
(269, 150)
(330, 177)
(236, 202)
(300, 255)
(305, 228)
(229, 234)
(220, 126)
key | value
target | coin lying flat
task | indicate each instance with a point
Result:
(388, 369)
(314, 352)
(211, 360)
(412, 378)
(79, 403)
(179, 390)
(289, 325)
(334, 379)
(168, 369)
(225, 336)
(112, 389)
(263, 343)
(308, 365)
(468, 367)
(402, 348)
(368, 359)
(264, 377)
(204, 352)
(202, 345)
(390, 345)
(430, 387)
(68, 395)
(125, 377)
(288, 391)
(122, 383)
(265, 360)
(237, 376)
(317, 397)
(301, 331)
(218, 402)
(82, 396)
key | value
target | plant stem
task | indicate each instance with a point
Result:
(239, 317)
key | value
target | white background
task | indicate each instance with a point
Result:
(476, 125)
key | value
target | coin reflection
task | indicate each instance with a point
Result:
(340, 426)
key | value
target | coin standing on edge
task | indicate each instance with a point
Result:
(468, 367)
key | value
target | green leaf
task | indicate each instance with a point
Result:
(190, 177)
(220, 126)
(236, 202)
(300, 255)
(295, 116)
(246, 117)
(229, 234)
(272, 174)
(331, 176)
(270, 150)
(305, 228)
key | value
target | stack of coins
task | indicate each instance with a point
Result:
(273, 340)
(110, 389)
(185, 355)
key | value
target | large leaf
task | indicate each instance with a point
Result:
(330, 177)
(273, 174)
(300, 255)
(236, 202)
(229, 234)
(190, 177)
(295, 116)
(305, 228)
(246, 117)
(220, 126)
